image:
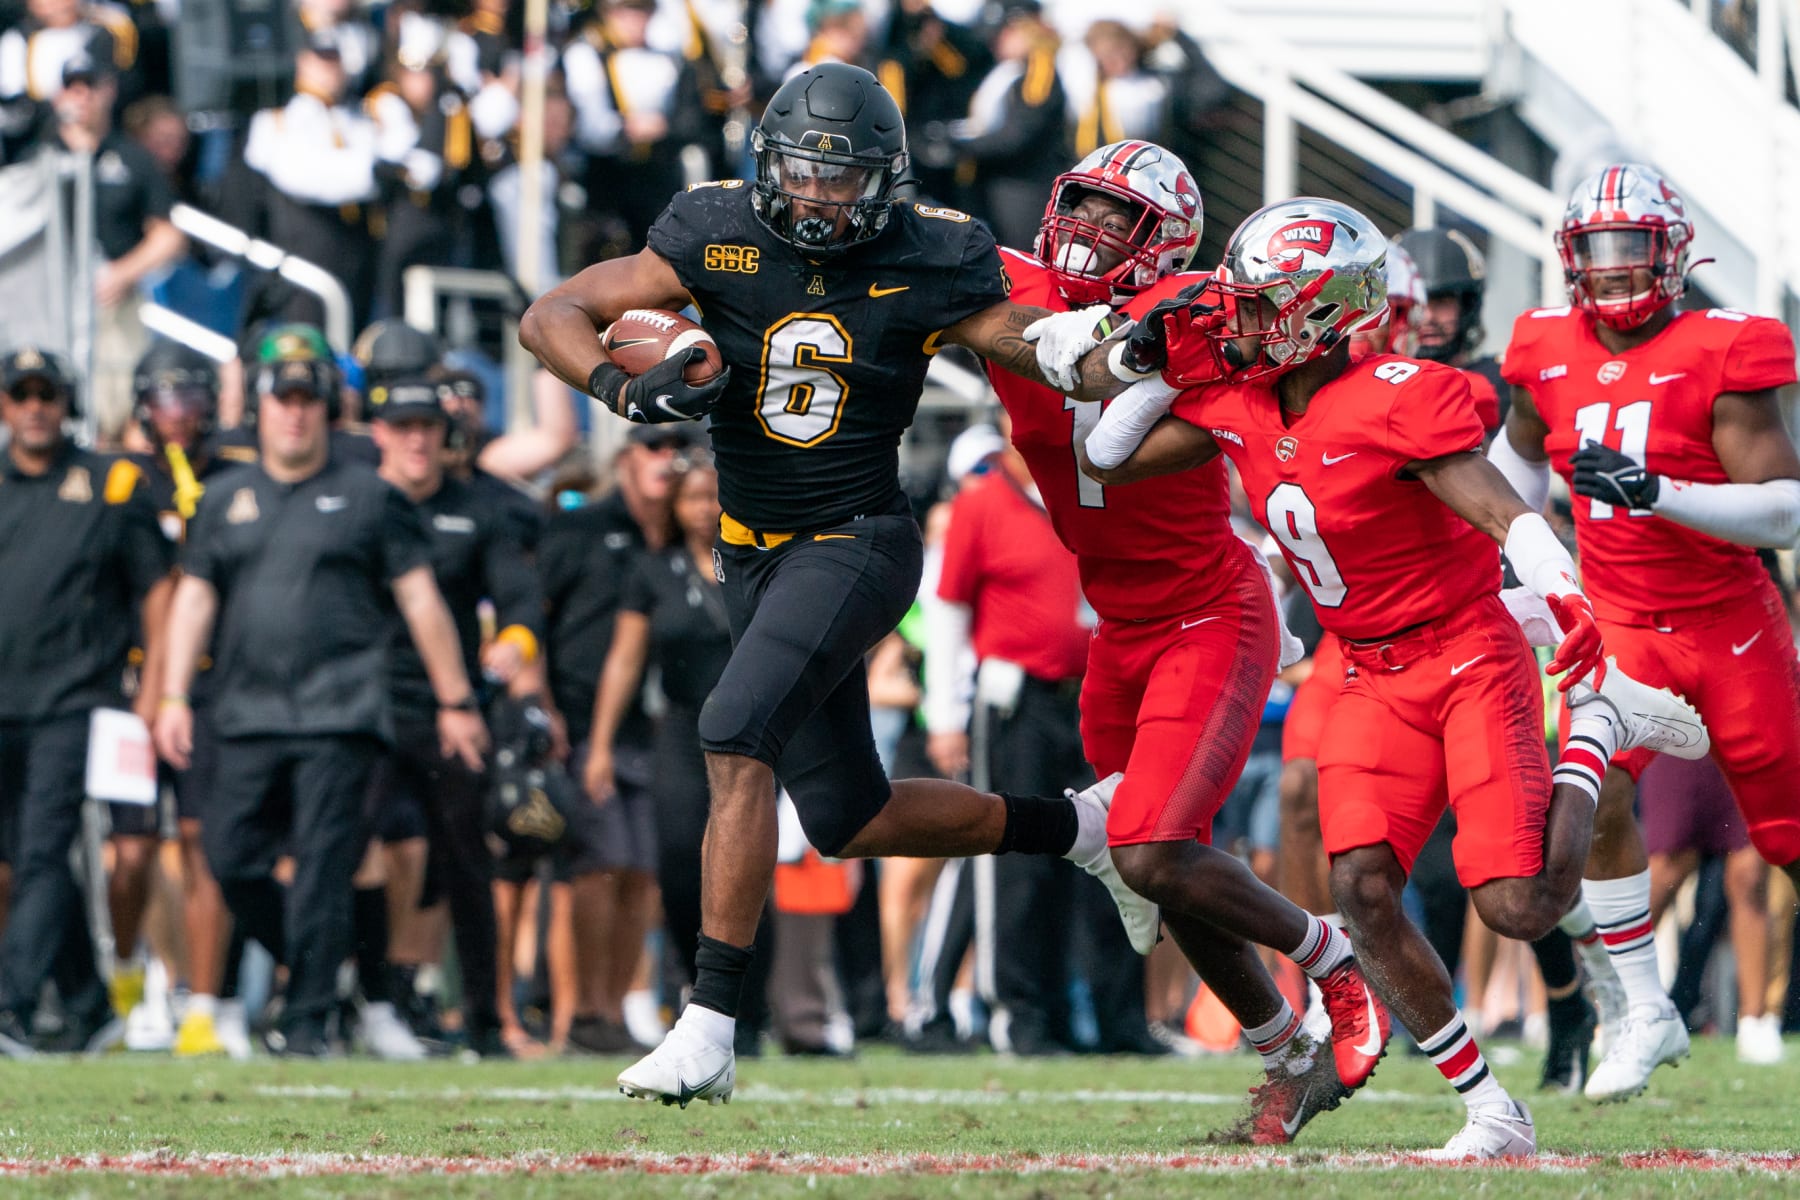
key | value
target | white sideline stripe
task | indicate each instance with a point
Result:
(165, 1165)
(836, 1097)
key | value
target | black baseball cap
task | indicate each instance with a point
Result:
(664, 437)
(85, 68)
(29, 362)
(404, 398)
(324, 42)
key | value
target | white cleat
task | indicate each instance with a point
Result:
(232, 1026)
(1143, 920)
(387, 1037)
(1647, 1039)
(686, 1067)
(1653, 718)
(1493, 1131)
(1759, 1040)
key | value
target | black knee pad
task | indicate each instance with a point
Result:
(834, 808)
(731, 723)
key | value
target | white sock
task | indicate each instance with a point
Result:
(1578, 923)
(709, 1023)
(1621, 909)
(1322, 950)
(200, 1004)
(1593, 740)
(1273, 1037)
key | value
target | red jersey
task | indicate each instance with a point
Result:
(1375, 550)
(1655, 404)
(1157, 548)
(1002, 559)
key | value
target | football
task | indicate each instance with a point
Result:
(643, 337)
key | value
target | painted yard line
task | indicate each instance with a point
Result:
(307, 1165)
(835, 1097)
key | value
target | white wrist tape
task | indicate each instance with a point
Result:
(1750, 514)
(1530, 479)
(1533, 615)
(1115, 361)
(1538, 559)
(1127, 420)
(949, 666)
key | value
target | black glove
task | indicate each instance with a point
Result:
(660, 395)
(1605, 474)
(1174, 318)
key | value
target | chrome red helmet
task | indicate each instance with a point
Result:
(1164, 211)
(1624, 219)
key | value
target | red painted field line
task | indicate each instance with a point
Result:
(235, 1165)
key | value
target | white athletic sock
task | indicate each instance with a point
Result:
(1272, 1037)
(1593, 740)
(1456, 1056)
(1323, 950)
(709, 1023)
(1621, 909)
(1578, 923)
(200, 1004)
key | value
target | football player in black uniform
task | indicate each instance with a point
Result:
(827, 298)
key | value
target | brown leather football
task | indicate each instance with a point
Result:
(643, 337)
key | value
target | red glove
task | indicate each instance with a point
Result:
(1580, 651)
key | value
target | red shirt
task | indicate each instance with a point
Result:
(1375, 550)
(1655, 403)
(1158, 548)
(1002, 559)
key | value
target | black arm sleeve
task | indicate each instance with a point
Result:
(509, 580)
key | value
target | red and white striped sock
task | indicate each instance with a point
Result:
(1621, 909)
(1272, 1036)
(1593, 740)
(1453, 1052)
(1323, 950)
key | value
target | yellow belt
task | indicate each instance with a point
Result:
(736, 533)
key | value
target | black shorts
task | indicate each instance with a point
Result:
(795, 694)
(581, 852)
(394, 808)
(188, 789)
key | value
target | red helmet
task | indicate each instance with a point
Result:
(1163, 203)
(1627, 217)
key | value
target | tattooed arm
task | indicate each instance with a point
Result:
(998, 335)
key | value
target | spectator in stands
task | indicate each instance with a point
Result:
(161, 128)
(505, 187)
(1198, 95)
(300, 658)
(82, 557)
(932, 67)
(636, 109)
(427, 145)
(317, 156)
(482, 63)
(358, 42)
(840, 33)
(34, 52)
(1116, 98)
(132, 202)
(1014, 141)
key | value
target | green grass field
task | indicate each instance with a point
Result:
(882, 1126)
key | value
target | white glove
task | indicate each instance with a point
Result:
(1061, 340)
(423, 170)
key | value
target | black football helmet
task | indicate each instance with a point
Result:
(1449, 265)
(831, 139)
(176, 380)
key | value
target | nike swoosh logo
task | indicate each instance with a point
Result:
(1737, 649)
(685, 1092)
(1461, 667)
(1656, 379)
(1200, 621)
(624, 342)
(1373, 1044)
(876, 291)
(832, 537)
(1288, 1126)
(1332, 462)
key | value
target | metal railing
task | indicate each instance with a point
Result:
(424, 286)
(307, 276)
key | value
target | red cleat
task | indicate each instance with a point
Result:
(1293, 1093)
(1359, 1024)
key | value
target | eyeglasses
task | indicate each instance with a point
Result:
(40, 393)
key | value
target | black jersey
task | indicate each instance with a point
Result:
(827, 357)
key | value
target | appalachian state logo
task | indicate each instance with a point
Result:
(243, 508)
(28, 359)
(77, 486)
(536, 818)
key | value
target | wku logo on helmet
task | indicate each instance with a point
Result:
(1289, 244)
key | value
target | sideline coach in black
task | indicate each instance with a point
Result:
(302, 558)
(80, 552)
(474, 557)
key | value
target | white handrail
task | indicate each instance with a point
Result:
(307, 276)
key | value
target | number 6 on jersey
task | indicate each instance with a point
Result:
(1294, 522)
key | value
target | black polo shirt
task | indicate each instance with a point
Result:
(306, 611)
(79, 548)
(475, 557)
(129, 189)
(690, 632)
(584, 558)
